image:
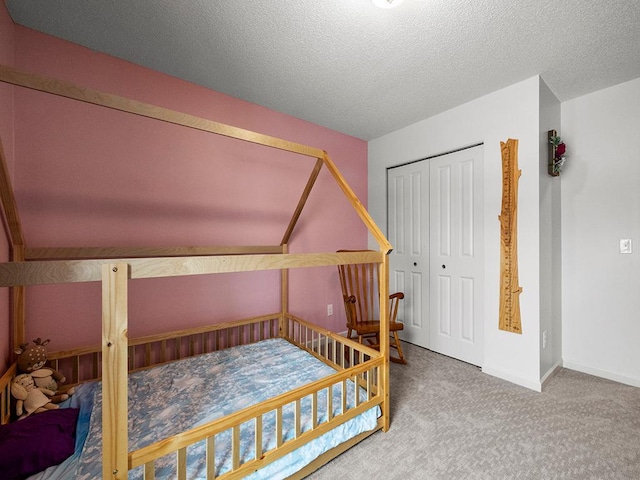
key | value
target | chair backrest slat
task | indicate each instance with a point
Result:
(359, 282)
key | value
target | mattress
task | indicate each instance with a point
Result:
(175, 397)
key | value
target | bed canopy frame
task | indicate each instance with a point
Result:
(115, 266)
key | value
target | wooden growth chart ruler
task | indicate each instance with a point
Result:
(509, 285)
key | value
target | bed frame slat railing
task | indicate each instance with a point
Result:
(297, 416)
(342, 352)
(278, 431)
(329, 403)
(5, 394)
(232, 422)
(257, 441)
(149, 471)
(211, 457)
(314, 410)
(331, 348)
(181, 460)
(81, 365)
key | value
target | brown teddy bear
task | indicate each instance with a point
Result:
(31, 360)
(29, 398)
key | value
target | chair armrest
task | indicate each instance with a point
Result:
(350, 299)
(394, 301)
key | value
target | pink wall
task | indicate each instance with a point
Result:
(86, 175)
(6, 136)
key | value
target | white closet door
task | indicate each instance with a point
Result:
(435, 227)
(408, 189)
(456, 255)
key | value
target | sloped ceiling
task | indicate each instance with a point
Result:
(350, 66)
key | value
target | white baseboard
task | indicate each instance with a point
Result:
(550, 373)
(509, 377)
(634, 382)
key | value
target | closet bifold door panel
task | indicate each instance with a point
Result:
(435, 224)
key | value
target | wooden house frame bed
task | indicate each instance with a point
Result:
(117, 355)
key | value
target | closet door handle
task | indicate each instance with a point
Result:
(444, 266)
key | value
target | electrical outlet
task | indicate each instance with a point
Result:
(329, 309)
(544, 339)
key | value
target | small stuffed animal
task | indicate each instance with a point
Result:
(31, 360)
(29, 398)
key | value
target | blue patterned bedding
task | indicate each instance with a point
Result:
(175, 397)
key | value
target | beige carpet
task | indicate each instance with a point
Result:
(451, 421)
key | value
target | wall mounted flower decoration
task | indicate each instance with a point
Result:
(557, 153)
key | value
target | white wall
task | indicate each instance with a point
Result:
(601, 205)
(512, 112)
(550, 241)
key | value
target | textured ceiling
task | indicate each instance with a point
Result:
(350, 66)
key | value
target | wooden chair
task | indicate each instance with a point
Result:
(361, 300)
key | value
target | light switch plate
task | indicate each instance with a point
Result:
(626, 245)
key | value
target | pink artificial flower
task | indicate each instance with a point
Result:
(560, 150)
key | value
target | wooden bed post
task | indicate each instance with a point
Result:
(115, 448)
(15, 238)
(383, 277)
(284, 297)
(18, 300)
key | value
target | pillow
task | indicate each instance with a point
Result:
(37, 442)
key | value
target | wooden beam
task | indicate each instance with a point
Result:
(15, 237)
(383, 280)
(9, 206)
(284, 298)
(68, 253)
(71, 271)
(384, 244)
(303, 201)
(18, 304)
(122, 104)
(115, 412)
(94, 97)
